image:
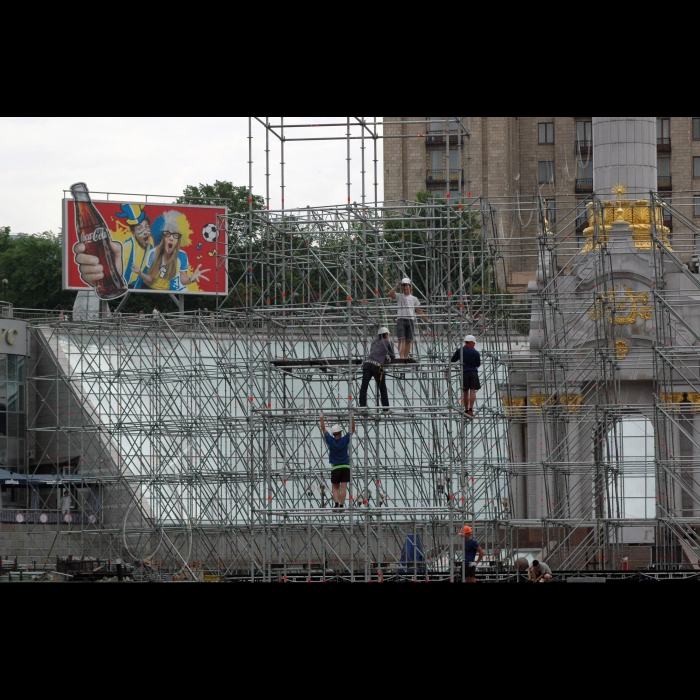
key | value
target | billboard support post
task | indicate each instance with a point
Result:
(122, 302)
(179, 301)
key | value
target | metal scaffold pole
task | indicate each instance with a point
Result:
(198, 438)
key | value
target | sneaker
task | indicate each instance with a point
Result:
(388, 412)
(362, 409)
(470, 415)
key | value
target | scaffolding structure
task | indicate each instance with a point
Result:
(195, 438)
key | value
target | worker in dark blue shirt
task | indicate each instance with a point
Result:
(472, 549)
(339, 455)
(470, 359)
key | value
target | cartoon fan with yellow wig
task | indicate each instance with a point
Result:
(168, 269)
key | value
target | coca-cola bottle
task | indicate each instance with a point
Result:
(94, 234)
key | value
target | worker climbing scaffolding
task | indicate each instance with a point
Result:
(339, 455)
(381, 353)
(470, 359)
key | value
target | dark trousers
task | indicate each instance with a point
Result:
(370, 372)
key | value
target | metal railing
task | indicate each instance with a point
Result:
(440, 176)
(439, 138)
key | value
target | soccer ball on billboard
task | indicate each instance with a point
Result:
(210, 233)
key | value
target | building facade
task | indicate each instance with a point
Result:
(513, 159)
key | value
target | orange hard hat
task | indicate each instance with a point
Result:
(467, 531)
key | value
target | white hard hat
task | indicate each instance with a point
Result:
(336, 429)
(470, 339)
(406, 281)
(384, 330)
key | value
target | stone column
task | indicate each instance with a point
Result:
(537, 456)
(580, 446)
(625, 153)
(518, 484)
(695, 467)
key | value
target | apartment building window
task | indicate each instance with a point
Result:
(668, 217)
(696, 128)
(442, 128)
(584, 136)
(547, 134)
(665, 181)
(436, 172)
(546, 172)
(696, 167)
(696, 205)
(437, 125)
(584, 177)
(663, 133)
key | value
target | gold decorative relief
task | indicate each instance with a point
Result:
(515, 408)
(625, 308)
(695, 401)
(623, 349)
(639, 215)
(540, 401)
(672, 399)
(572, 403)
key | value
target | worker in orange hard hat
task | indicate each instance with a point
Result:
(471, 549)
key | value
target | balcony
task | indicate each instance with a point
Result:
(584, 185)
(440, 138)
(665, 183)
(436, 178)
(664, 145)
(584, 148)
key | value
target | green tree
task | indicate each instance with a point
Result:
(221, 194)
(32, 265)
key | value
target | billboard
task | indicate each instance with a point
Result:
(119, 247)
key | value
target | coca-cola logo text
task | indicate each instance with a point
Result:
(99, 234)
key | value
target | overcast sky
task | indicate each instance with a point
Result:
(40, 157)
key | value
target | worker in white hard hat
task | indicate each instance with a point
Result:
(409, 307)
(470, 360)
(380, 354)
(339, 454)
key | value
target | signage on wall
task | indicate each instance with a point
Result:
(14, 338)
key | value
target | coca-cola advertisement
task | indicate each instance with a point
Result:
(118, 247)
